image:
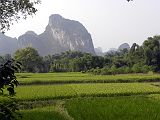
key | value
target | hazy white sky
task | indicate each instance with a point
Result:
(110, 22)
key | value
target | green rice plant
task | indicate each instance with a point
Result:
(45, 113)
(53, 78)
(46, 92)
(114, 108)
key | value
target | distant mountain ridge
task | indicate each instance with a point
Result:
(8, 45)
(99, 51)
(121, 47)
(59, 36)
(124, 46)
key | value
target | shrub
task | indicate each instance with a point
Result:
(8, 108)
(137, 68)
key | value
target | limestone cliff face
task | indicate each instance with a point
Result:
(60, 35)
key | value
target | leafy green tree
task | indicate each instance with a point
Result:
(13, 10)
(30, 59)
(9, 110)
(135, 55)
(76, 65)
(8, 107)
(137, 68)
(7, 76)
(47, 62)
(151, 48)
(119, 62)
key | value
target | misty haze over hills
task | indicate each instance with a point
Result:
(99, 51)
(59, 36)
(8, 45)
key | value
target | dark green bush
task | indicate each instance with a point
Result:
(8, 107)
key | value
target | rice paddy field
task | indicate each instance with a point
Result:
(73, 77)
(80, 96)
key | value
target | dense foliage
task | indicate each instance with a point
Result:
(8, 107)
(138, 59)
(29, 58)
(75, 62)
(65, 62)
(7, 76)
(8, 110)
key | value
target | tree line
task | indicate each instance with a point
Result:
(69, 61)
(138, 59)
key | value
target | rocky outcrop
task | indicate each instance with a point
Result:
(124, 46)
(59, 36)
(121, 47)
